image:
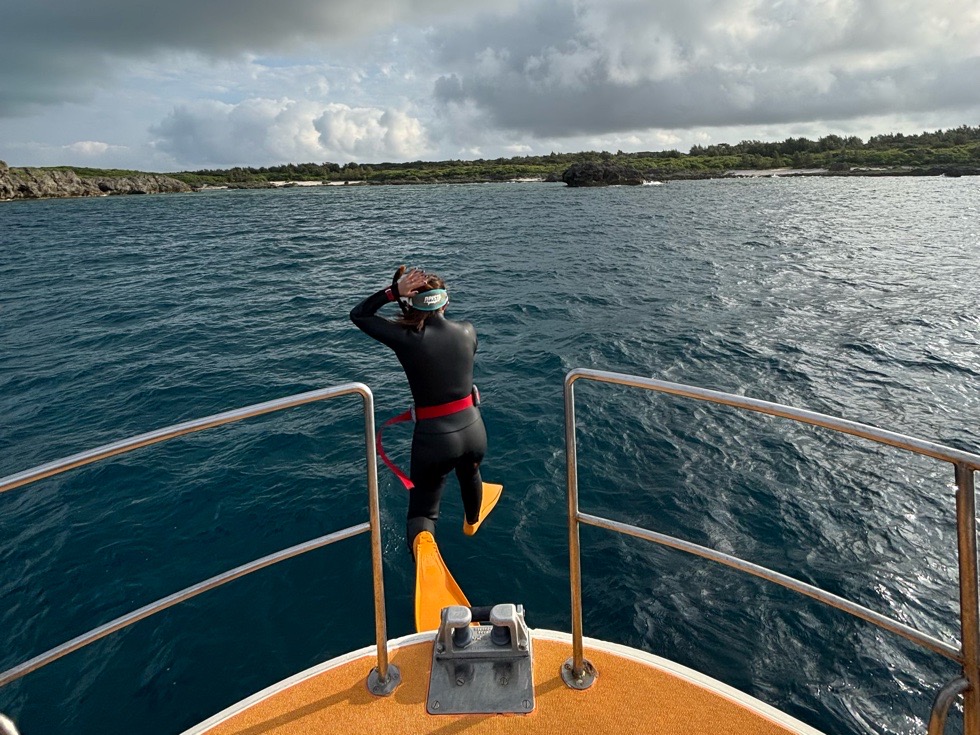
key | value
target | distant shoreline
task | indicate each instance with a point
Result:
(954, 152)
(60, 183)
(660, 177)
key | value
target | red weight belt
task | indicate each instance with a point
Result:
(416, 414)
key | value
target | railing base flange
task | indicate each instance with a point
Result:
(584, 680)
(380, 688)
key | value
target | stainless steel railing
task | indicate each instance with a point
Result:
(579, 673)
(384, 678)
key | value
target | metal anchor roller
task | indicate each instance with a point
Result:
(481, 668)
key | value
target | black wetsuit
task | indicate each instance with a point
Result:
(438, 362)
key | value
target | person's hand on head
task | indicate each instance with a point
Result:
(410, 283)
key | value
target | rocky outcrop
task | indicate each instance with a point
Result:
(37, 183)
(32, 183)
(601, 174)
(141, 184)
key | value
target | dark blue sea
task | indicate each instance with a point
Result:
(854, 297)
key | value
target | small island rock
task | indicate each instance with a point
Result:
(601, 174)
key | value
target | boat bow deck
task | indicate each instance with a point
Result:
(635, 692)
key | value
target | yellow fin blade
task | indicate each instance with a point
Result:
(491, 494)
(435, 587)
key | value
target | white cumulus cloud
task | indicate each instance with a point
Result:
(263, 131)
(90, 147)
(370, 134)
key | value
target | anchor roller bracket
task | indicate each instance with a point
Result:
(481, 668)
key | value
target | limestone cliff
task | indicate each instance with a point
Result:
(37, 183)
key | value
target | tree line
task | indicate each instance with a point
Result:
(956, 147)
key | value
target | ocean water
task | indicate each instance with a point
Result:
(854, 297)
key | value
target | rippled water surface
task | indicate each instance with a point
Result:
(854, 297)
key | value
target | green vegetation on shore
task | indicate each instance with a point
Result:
(95, 173)
(953, 151)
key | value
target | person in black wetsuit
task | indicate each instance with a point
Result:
(437, 355)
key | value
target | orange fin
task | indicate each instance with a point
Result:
(435, 587)
(491, 494)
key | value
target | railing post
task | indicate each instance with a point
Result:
(577, 672)
(966, 465)
(966, 525)
(385, 678)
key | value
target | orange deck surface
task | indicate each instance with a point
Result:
(628, 697)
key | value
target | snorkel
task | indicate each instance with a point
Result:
(394, 289)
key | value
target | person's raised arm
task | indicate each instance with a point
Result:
(365, 314)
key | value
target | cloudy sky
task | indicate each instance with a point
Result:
(189, 84)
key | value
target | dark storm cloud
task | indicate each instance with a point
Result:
(707, 98)
(56, 50)
(591, 68)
